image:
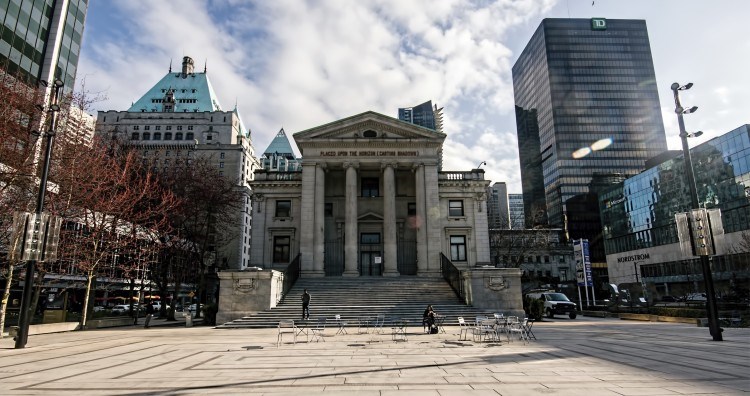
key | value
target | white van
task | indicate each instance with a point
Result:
(555, 304)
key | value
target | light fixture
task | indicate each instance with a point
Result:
(690, 110)
(481, 163)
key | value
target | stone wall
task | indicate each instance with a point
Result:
(496, 290)
(243, 293)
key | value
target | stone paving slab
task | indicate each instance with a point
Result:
(595, 356)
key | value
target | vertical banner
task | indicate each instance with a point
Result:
(583, 266)
(587, 262)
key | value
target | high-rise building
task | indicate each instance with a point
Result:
(179, 119)
(497, 206)
(424, 115)
(41, 39)
(586, 102)
(515, 211)
(279, 156)
(641, 234)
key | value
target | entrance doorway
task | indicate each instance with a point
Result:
(370, 255)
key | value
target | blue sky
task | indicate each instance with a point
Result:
(301, 63)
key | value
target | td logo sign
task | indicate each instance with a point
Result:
(598, 24)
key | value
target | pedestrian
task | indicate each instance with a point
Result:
(149, 314)
(305, 305)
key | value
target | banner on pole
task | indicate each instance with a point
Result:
(583, 262)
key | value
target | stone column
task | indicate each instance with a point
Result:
(421, 219)
(307, 220)
(390, 259)
(351, 240)
(319, 236)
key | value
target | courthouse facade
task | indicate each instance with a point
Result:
(370, 200)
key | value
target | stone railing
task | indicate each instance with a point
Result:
(474, 174)
(264, 175)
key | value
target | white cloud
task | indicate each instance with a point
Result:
(301, 64)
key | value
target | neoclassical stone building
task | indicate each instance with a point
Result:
(371, 200)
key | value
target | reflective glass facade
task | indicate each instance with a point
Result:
(34, 31)
(575, 86)
(422, 115)
(640, 213)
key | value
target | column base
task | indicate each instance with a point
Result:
(312, 274)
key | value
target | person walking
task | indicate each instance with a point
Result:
(149, 314)
(305, 305)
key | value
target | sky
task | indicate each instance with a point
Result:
(298, 64)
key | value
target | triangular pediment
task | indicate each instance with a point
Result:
(368, 125)
(370, 216)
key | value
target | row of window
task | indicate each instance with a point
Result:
(167, 136)
(158, 127)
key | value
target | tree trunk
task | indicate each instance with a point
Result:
(6, 297)
(85, 309)
(170, 314)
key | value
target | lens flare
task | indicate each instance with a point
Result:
(582, 152)
(601, 144)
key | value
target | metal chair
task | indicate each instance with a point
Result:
(464, 329)
(342, 325)
(379, 321)
(398, 329)
(318, 330)
(286, 327)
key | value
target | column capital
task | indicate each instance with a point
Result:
(415, 166)
(323, 165)
(351, 164)
(386, 164)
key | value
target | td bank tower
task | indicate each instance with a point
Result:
(586, 104)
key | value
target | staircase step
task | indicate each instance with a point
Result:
(401, 297)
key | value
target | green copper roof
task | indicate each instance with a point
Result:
(192, 93)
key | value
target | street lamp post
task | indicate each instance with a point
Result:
(25, 316)
(711, 309)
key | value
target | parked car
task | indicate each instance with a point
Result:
(556, 304)
(696, 297)
(121, 309)
(99, 308)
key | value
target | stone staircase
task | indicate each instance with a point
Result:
(402, 297)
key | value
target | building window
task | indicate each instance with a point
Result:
(134, 136)
(458, 248)
(190, 127)
(136, 127)
(209, 137)
(411, 209)
(147, 128)
(328, 209)
(455, 208)
(157, 135)
(221, 155)
(189, 136)
(178, 136)
(370, 186)
(179, 127)
(221, 164)
(169, 127)
(281, 249)
(158, 128)
(168, 136)
(146, 136)
(283, 208)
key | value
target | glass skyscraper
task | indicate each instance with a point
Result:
(423, 115)
(586, 102)
(41, 39)
(639, 217)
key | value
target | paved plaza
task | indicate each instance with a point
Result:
(585, 356)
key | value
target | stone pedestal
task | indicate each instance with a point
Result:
(496, 290)
(243, 293)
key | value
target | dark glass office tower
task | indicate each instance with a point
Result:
(424, 115)
(586, 102)
(41, 39)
